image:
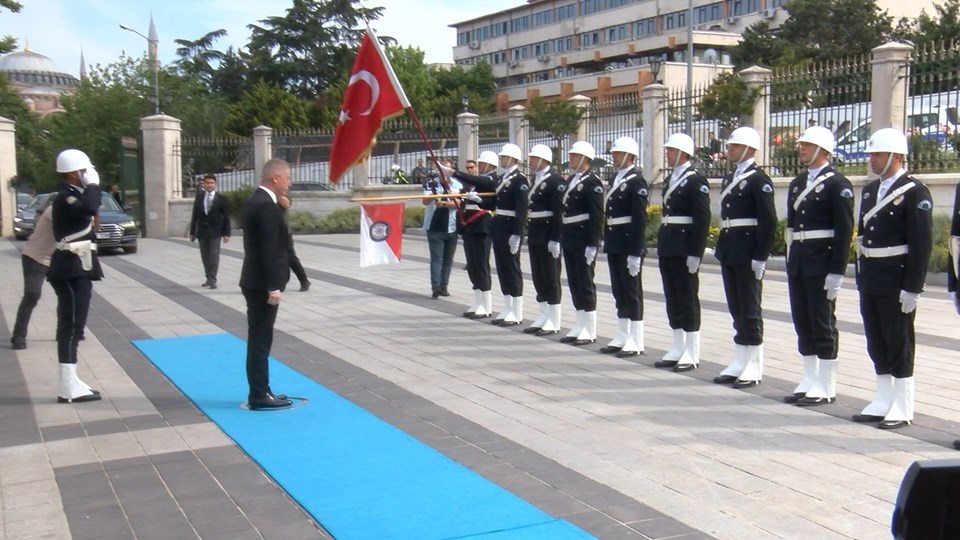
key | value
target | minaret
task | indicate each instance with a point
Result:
(152, 52)
(83, 67)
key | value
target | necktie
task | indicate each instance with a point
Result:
(206, 202)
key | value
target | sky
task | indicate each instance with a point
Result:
(59, 29)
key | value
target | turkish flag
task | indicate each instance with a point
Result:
(373, 96)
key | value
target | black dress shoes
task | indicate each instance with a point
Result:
(476, 316)
(628, 354)
(444, 291)
(468, 314)
(793, 398)
(568, 339)
(213, 286)
(205, 283)
(497, 322)
(864, 418)
(610, 349)
(680, 368)
(269, 401)
(956, 444)
(305, 286)
(18, 343)
(531, 330)
(509, 323)
(579, 342)
(814, 401)
(665, 363)
(724, 379)
(740, 385)
(893, 424)
(436, 293)
(542, 332)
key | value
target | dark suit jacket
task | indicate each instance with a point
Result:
(216, 223)
(72, 212)
(266, 259)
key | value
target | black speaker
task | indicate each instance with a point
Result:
(928, 505)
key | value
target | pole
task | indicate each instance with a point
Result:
(689, 103)
(156, 87)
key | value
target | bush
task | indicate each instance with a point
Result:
(235, 200)
(302, 222)
(413, 217)
(343, 220)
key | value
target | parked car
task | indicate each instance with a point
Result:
(23, 199)
(118, 230)
(936, 124)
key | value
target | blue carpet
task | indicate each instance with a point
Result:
(355, 474)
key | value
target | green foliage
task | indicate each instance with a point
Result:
(9, 43)
(343, 220)
(413, 217)
(235, 200)
(269, 105)
(926, 155)
(728, 100)
(943, 26)
(299, 222)
(196, 59)
(33, 153)
(558, 118)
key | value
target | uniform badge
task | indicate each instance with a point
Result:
(506, 184)
(623, 187)
(643, 192)
(743, 184)
(898, 200)
(524, 187)
(579, 187)
(767, 188)
(924, 205)
(818, 189)
(72, 200)
(598, 189)
(795, 188)
(683, 182)
(705, 189)
(866, 195)
(561, 188)
(846, 193)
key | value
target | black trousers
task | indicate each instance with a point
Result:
(583, 290)
(73, 304)
(34, 275)
(260, 319)
(297, 267)
(476, 248)
(546, 274)
(813, 317)
(209, 255)
(681, 290)
(891, 342)
(508, 267)
(744, 291)
(627, 289)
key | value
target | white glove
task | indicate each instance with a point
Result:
(90, 177)
(908, 301)
(514, 244)
(758, 268)
(473, 196)
(832, 285)
(693, 264)
(590, 254)
(554, 249)
(633, 265)
(956, 301)
(447, 171)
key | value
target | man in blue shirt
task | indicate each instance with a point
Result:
(440, 222)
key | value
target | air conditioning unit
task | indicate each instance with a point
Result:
(769, 13)
(544, 58)
(474, 44)
(731, 20)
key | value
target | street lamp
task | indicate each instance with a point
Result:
(154, 65)
(465, 100)
(655, 65)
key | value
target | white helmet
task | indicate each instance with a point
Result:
(819, 136)
(512, 151)
(627, 145)
(887, 140)
(490, 158)
(682, 142)
(541, 151)
(72, 160)
(583, 148)
(747, 136)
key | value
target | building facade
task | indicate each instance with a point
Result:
(38, 79)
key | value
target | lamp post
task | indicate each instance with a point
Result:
(465, 101)
(154, 64)
(655, 65)
(689, 100)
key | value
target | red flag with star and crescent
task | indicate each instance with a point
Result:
(373, 96)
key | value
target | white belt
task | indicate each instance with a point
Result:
(874, 253)
(540, 214)
(575, 219)
(506, 213)
(739, 222)
(471, 207)
(811, 235)
(623, 220)
(81, 248)
(677, 220)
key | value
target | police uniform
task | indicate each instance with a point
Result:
(954, 248)
(624, 236)
(748, 220)
(582, 221)
(73, 265)
(819, 229)
(475, 230)
(683, 234)
(894, 240)
(545, 221)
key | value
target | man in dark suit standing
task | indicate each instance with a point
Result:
(210, 222)
(266, 270)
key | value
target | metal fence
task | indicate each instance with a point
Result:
(229, 158)
(708, 135)
(931, 119)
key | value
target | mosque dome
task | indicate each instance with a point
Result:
(30, 69)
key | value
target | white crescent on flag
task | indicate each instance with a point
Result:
(371, 80)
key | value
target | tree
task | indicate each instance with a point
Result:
(198, 58)
(944, 27)
(268, 105)
(310, 47)
(759, 47)
(727, 101)
(9, 43)
(476, 83)
(414, 76)
(558, 118)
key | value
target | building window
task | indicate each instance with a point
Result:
(541, 18)
(705, 14)
(589, 6)
(519, 53)
(589, 39)
(541, 48)
(568, 11)
(645, 27)
(616, 3)
(616, 33)
(562, 44)
(463, 38)
(519, 24)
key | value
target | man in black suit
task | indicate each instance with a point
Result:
(266, 270)
(210, 222)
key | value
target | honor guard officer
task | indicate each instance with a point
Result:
(748, 219)
(818, 232)
(624, 242)
(543, 239)
(73, 265)
(506, 229)
(894, 240)
(681, 240)
(579, 238)
(475, 229)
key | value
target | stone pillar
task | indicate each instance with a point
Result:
(162, 173)
(468, 137)
(758, 78)
(8, 171)
(583, 130)
(654, 131)
(519, 128)
(361, 174)
(262, 148)
(891, 63)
